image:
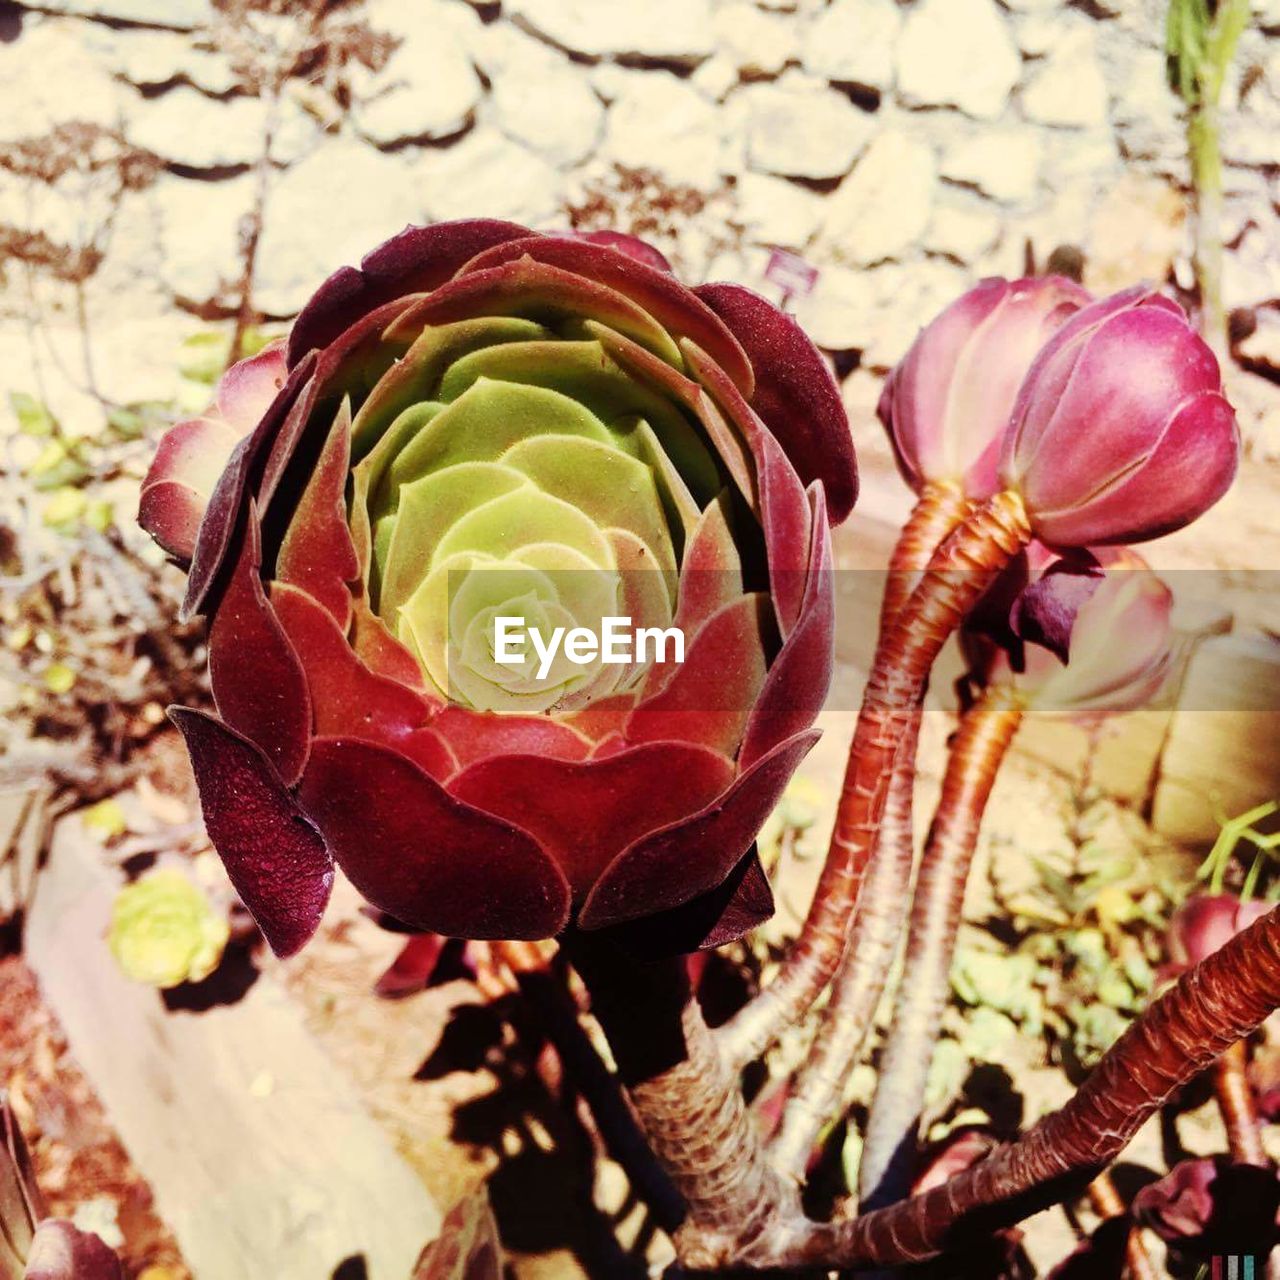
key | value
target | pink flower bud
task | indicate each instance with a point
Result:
(947, 404)
(1121, 431)
(1206, 922)
(1086, 636)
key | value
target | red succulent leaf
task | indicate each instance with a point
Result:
(673, 306)
(417, 259)
(690, 857)
(585, 813)
(800, 675)
(424, 856)
(632, 246)
(258, 682)
(180, 481)
(316, 553)
(709, 696)
(784, 509)
(223, 514)
(347, 697)
(795, 395)
(534, 290)
(276, 860)
(742, 902)
(476, 736)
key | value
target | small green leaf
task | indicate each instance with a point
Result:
(203, 355)
(64, 508)
(34, 418)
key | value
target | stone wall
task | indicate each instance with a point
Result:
(902, 149)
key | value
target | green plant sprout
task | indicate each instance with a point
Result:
(1231, 832)
(1200, 41)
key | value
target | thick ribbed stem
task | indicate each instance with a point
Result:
(1222, 1000)
(1236, 1103)
(963, 568)
(688, 1102)
(882, 902)
(979, 747)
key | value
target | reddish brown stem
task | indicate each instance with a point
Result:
(979, 747)
(963, 568)
(1236, 1103)
(689, 1104)
(882, 901)
(1217, 1003)
(1107, 1204)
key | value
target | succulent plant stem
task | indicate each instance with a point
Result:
(1236, 1103)
(742, 1215)
(958, 574)
(689, 1104)
(1217, 1003)
(882, 903)
(979, 747)
(1107, 1204)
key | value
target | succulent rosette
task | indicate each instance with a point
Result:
(1081, 636)
(482, 423)
(1121, 431)
(947, 404)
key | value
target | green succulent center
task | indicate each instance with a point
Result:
(508, 470)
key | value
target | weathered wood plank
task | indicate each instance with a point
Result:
(261, 1159)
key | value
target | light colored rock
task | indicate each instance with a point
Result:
(154, 59)
(962, 232)
(664, 30)
(775, 211)
(1267, 14)
(1003, 164)
(660, 123)
(883, 207)
(758, 43)
(177, 15)
(1251, 273)
(39, 71)
(1146, 116)
(540, 100)
(715, 77)
(1262, 346)
(1135, 233)
(878, 312)
(957, 53)
(1038, 33)
(331, 208)
(197, 228)
(802, 132)
(487, 171)
(428, 88)
(1070, 90)
(852, 42)
(187, 128)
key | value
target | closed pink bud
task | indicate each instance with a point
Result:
(1121, 431)
(948, 403)
(1207, 922)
